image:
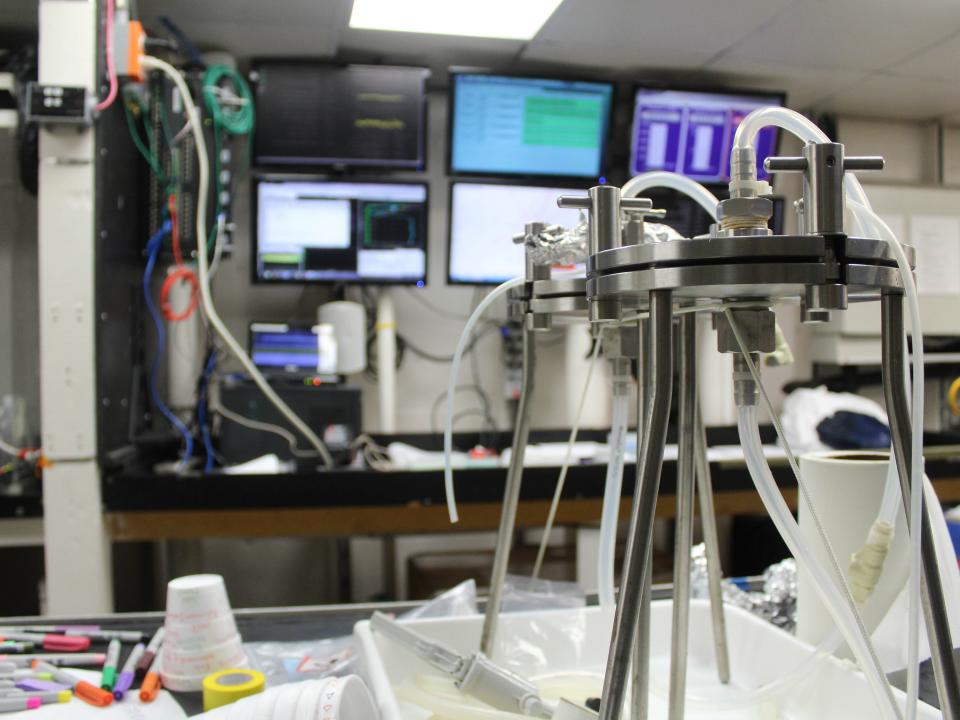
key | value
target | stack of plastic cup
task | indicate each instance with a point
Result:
(200, 633)
(346, 698)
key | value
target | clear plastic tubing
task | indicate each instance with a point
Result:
(451, 389)
(790, 531)
(869, 222)
(611, 495)
(661, 178)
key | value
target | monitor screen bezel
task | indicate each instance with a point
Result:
(706, 90)
(257, 178)
(319, 164)
(573, 186)
(607, 138)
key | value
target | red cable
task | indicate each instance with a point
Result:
(174, 230)
(182, 272)
(111, 65)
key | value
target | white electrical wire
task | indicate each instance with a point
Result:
(263, 427)
(206, 297)
(562, 478)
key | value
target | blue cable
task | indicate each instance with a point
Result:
(202, 410)
(153, 251)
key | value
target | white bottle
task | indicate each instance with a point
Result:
(326, 349)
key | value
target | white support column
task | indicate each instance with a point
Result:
(77, 547)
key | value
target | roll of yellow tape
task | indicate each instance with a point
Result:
(227, 686)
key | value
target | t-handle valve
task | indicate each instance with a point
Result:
(823, 166)
(604, 204)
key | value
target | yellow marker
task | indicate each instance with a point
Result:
(228, 686)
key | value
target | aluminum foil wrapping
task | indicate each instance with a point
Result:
(777, 602)
(559, 246)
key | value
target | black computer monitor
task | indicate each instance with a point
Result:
(691, 131)
(309, 113)
(308, 229)
(484, 217)
(524, 126)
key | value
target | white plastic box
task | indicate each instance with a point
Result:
(576, 641)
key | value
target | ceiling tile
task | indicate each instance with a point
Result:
(431, 50)
(940, 62)
(805, 86)
(626, 34)
(822, 32)
(884, 95)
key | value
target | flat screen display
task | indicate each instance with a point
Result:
(691, 133)
(485, 217)
(281, 347)
(526, 126)
(327, 231)
(358, 115)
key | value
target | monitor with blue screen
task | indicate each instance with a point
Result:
(316, 230)
(505, 125)
(691, 132)
(279, 347)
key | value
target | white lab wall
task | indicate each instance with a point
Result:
(419, 382)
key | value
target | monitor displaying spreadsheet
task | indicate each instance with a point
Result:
(484, 217)
(691, 132)
(503, 125)
(318, 230)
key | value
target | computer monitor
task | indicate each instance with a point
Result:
(356, 115)
(282, 348)
(484, 217)
(503, 125)
(691, 132)
(320, 230)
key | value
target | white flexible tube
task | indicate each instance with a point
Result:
(611, 496)
(206, 297)
(661, 178)
(790, 531)
(451, 389)
(871, 223)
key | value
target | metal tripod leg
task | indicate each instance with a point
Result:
(640, 678)
(683, 536)
(511, 496)
(711, 542)
(934, 606)
(648, 485)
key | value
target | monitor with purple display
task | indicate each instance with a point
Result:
(691, 132)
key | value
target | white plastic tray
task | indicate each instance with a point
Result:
(576, 641)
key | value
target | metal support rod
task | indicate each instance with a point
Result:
(640, 677)
(937, 622)
(683, 534)
(511, 495)
(711, 543)
(627, 615)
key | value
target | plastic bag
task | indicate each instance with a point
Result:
(285, 662)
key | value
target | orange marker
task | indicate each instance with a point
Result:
(150, 686)
(90, 694)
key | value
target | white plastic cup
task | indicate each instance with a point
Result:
(346, 698)
(197, 635)
(196, 599)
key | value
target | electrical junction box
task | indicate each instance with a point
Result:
(56, 104)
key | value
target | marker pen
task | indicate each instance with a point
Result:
(14, 646)
(9, 705)
(108, 678)
(106, 635)
(55, 643)
(66, 659)
(150, 686)
(150, 653)
(24, 674)
(50, 697)
(82, 689)
(35, 685)
(125, 679)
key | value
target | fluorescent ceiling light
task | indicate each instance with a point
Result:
(506, 19)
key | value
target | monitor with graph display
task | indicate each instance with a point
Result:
(502, 125)
(691, 132)
(321, 230)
